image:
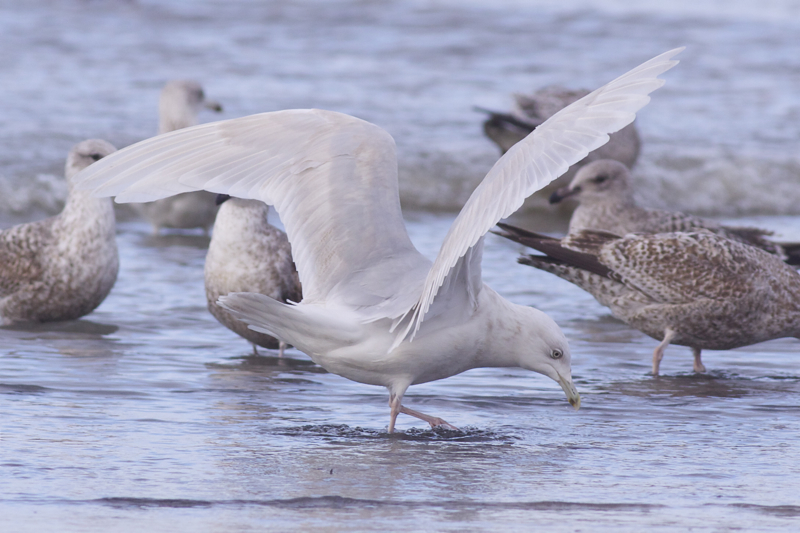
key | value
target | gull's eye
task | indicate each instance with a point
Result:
(556, 353)
(600, 179)
(96, 157)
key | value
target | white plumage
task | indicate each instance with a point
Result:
(374, 309)
(178, 107)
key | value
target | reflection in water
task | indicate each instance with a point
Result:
(166, 239)
(81, 328)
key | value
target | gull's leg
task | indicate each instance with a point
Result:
(698, 363)
(658, 354)
(394, 404)
(255, 349)
(281, 348)
(432, 420)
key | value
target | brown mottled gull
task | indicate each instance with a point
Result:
(247, 254)
(178, 106)
(695, 289)
(62, 267)
(507, 129)
(606, 203)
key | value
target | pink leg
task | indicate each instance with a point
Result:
(397, 408)
(281, 348)
(658, 354)
(394, 404)
(432, 420)
(698, 363)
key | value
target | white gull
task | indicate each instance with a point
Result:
(248, 254)
(178, 107)
(62, 267)
(374, 309)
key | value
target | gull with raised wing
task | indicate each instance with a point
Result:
(374, 309)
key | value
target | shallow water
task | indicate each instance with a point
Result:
(149, 416)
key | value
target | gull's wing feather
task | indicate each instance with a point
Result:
(331, 177)
(561, 141)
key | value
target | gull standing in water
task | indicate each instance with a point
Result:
(248, 254)
(606, 203)
(695, 289)
(62, 267)
(374, 309)
(178, 106)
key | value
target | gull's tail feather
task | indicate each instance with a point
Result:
(293, 324)
(792, 252)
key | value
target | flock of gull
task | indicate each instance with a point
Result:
(346, 286)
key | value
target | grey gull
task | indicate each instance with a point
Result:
(178, 107)
(374, 309)
(529, 111)
(62, 267)
(694, 289)
(606, 203)
(247, 254)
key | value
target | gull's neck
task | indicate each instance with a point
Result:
(501, 343)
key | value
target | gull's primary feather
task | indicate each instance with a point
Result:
(331, 177)
(333, 180)
(544, 155)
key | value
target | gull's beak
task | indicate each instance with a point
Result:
(563, 192)
(213, 106)
(572, 393)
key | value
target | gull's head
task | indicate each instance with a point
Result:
(544, 349)
(85, 153)
(180, 102)
(597, 180)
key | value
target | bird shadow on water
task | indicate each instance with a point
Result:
(80, 328)
(168, 240)
(268, 363)
(343, 431)
(715, 384)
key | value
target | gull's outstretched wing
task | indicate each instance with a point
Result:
(331, 177)
(561, 141)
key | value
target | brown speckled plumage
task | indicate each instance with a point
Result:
(63, 267)
(247, 254)
(606, 203)
(699, 289)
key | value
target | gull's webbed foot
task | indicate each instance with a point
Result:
(432, 420)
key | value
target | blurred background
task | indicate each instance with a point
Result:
(721, 138)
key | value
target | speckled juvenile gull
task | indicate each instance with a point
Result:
(178, 107)
(606, 203)
(62, 267)
(695, 289)
(374, 309)
(247, 254)
(529, 111)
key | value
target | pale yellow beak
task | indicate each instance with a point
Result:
(572, 393)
